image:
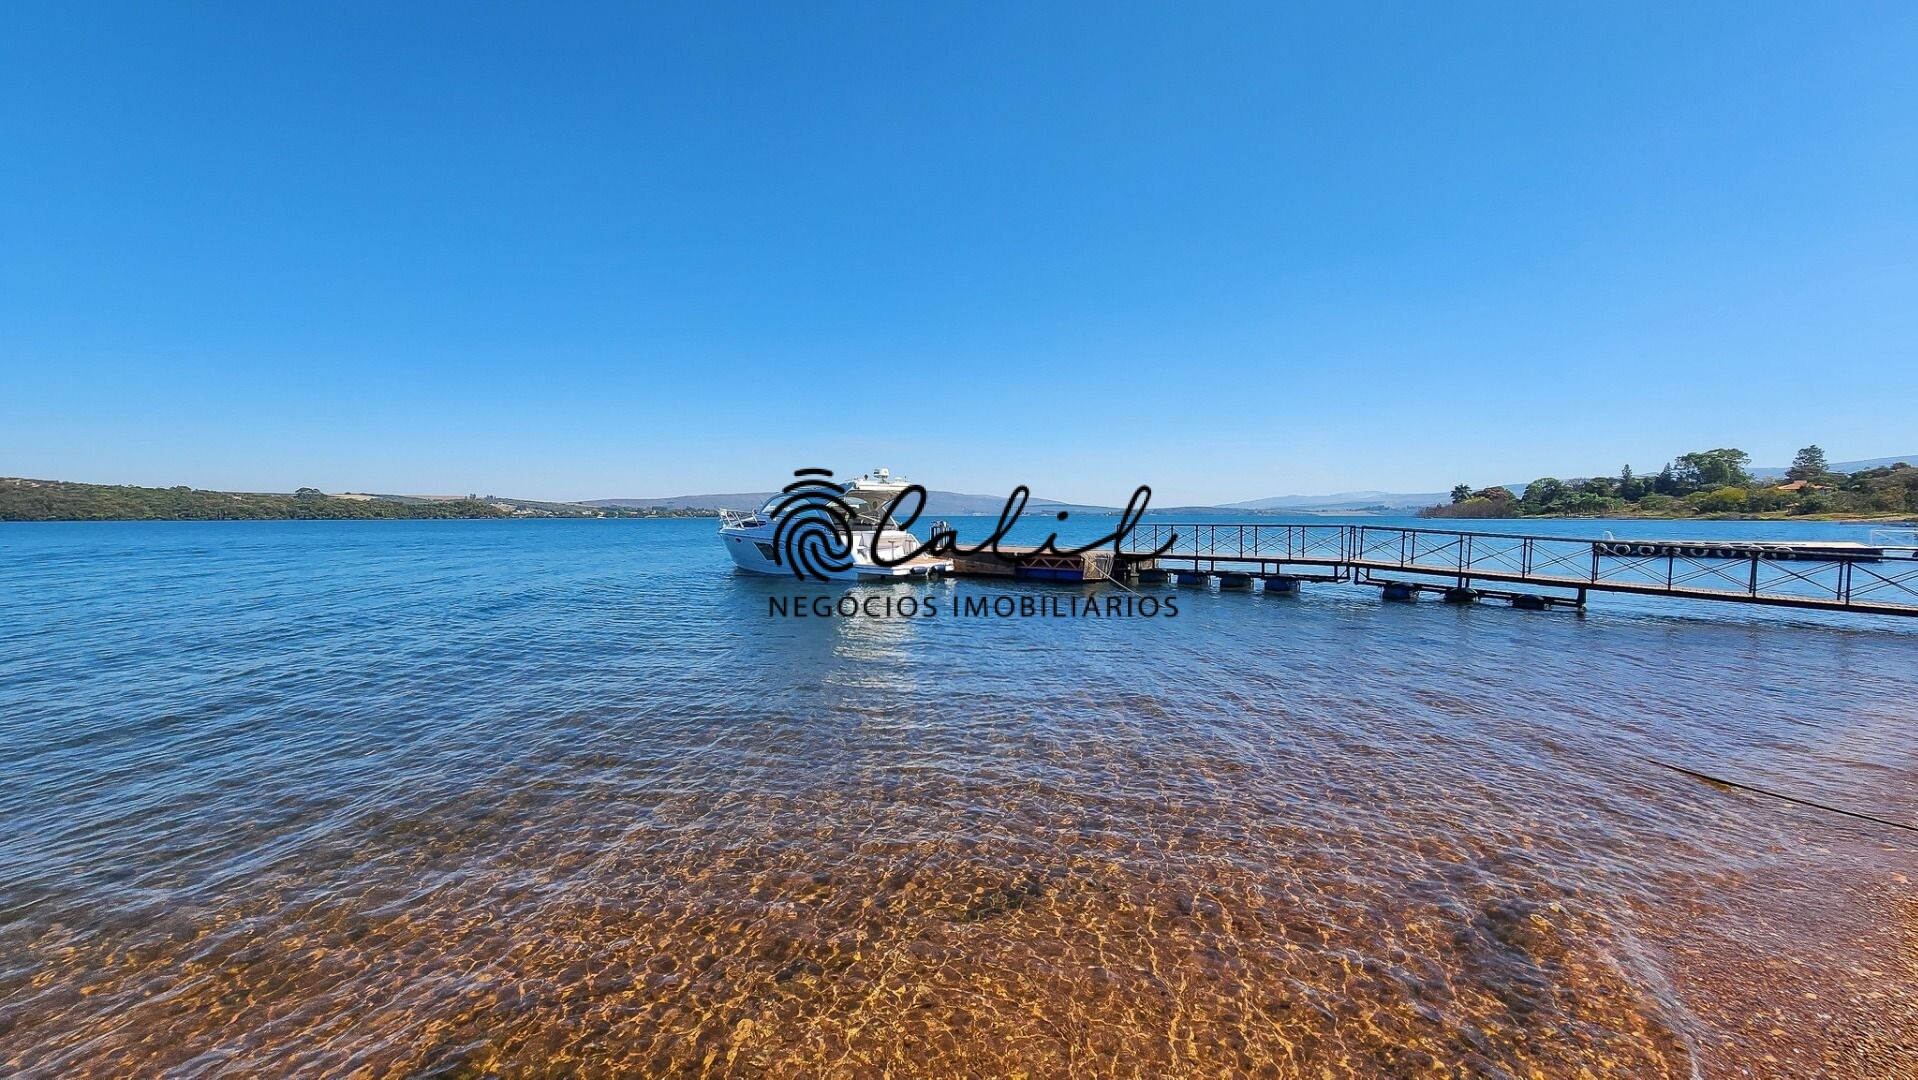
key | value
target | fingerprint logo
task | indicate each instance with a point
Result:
(812, 527)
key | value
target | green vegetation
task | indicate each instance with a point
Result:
(1704, 482)
(58, 500)
(1809, 464)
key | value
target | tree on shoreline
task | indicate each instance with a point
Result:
(1810, 464)
(1702, 469)
(1630, 487)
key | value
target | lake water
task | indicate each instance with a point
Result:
(534, 798)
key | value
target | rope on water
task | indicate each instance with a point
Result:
(1708, 778)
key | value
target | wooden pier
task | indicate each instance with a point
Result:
(1535, 571)
(1085, 566)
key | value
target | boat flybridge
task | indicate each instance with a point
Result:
(794, 529)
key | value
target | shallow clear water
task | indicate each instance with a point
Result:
(526, 798)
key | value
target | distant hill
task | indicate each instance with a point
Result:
(516, 507)
(57, 500)
(1844, 466)
(1344, 500)
(61, 500)
(745, 500)
(938, 503)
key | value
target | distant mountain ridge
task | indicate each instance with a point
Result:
(1344, 500)
(938, 503)
(958, 504)
(53, 500)
(1843, 466)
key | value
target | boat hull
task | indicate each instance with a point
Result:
(752, 551)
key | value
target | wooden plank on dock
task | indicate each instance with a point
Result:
(1083, 566)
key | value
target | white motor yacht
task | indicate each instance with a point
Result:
(818, 527)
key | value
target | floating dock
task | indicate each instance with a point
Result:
(1554, 571)
(1530, 572)
(1086, 566)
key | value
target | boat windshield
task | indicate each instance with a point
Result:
(867, 506)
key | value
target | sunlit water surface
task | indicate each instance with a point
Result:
(537, 798)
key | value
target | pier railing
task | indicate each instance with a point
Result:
(1881, 580)
(1269, 543)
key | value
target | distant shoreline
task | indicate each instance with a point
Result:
(1770, 515)
(27, 500)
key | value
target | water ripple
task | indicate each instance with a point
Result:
(531, 798)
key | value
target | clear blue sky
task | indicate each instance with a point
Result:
(582, 251)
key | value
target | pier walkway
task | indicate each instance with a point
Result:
(1552, 570)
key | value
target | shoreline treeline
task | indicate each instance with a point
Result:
(60, 500)
(1703, 482)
